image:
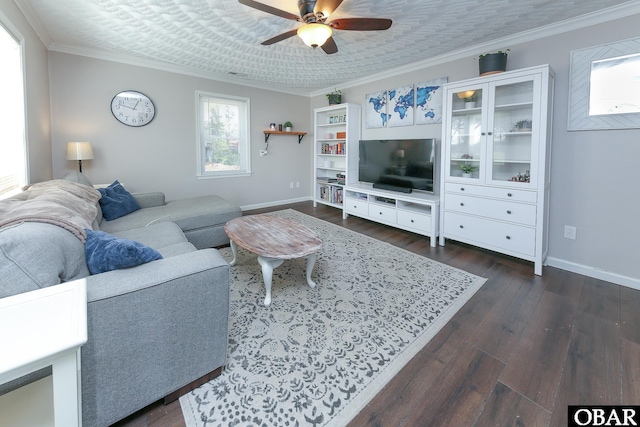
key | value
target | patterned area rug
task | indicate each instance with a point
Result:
(316, 357)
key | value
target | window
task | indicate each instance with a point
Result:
(223, 128)
(13, 170)
(604, 86)
(615, 86)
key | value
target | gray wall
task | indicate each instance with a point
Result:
(161, 156)
(594, 174)
(37, 94)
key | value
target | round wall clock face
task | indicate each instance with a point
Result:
(133, 108)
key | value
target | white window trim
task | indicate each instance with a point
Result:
(244, 130)
(17, 35)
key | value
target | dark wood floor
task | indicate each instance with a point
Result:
(517, 354)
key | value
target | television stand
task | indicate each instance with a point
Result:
(392, 188)
(416, 212)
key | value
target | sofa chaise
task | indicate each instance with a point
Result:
(152, 328)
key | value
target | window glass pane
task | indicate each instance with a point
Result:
(12, 135)
(224, 143)
(615, 86)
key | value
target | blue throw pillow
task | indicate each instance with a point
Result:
(106, 252)
(116, 201)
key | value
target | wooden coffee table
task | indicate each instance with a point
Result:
(273, 239)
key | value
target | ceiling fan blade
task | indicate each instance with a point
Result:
(280, 37)
(361, 24)
(269, 9)
(326, 6)
(330, 46)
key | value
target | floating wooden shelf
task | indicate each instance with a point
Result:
(269, 132)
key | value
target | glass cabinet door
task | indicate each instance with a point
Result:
(466, 144)
(513, 121)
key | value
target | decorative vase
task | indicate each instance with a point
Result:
(334, 99)
(468, 105)
(493, 63)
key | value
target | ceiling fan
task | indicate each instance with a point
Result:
(316, 31)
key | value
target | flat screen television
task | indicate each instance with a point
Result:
(398, 164)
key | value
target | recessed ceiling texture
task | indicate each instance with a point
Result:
(221, 39)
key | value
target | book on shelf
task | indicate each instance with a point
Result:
(328, 180)
(339, 148)
(331, 194)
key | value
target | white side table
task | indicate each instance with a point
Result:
(44, 328)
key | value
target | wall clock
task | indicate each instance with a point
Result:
(133, 108)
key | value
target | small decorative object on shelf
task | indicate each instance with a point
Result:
(467, 169)
(288, 126)
(493, 63)
(272, 126)
(470, 101)
(523, 125)
(334, 97)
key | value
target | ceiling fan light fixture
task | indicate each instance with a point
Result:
(314, 34)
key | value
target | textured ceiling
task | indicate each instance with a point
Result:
(221, 38)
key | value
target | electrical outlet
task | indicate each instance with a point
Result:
(297, 184)
(263, 153)
(291, 184)
(569, 232)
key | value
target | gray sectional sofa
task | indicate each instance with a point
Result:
(152, 328)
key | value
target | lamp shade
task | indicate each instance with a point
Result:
(466, 94)
(79, 151)
(314, 34)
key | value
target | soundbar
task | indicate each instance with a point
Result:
(393, 188)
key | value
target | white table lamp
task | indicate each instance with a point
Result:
(79, 151)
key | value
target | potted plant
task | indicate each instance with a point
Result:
(470, 101)
(467, 169)
(492, 63)
(288, 126)
(523, 125)
(334, 97)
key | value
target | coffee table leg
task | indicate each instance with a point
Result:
(311, 261)
(268, 264)
(234, 249)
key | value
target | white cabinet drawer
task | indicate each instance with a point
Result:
(493, 192)
(356, 206)
(421, 222)
(490, 234)
(520, 213)
(382, 213)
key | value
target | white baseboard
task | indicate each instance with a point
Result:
(277, 203)
(589, 271)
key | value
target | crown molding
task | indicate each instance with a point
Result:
(616, 12)
(164, 66)
(32, 18)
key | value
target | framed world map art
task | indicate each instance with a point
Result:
(375, 110)
(429, 101)
(401, 106)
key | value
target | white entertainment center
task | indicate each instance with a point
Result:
(336, 140)
(415, 212)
